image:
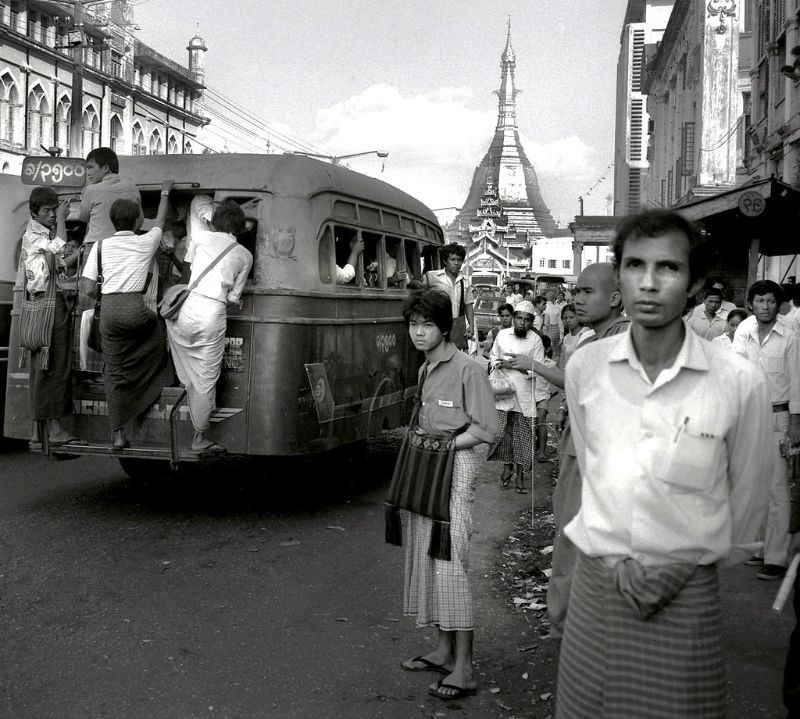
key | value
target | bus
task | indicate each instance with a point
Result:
(309, 365)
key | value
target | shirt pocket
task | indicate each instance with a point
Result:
(690, 461)
(772, 365)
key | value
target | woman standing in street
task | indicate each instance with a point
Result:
(197, 335)
(506, 314)
(455, 397)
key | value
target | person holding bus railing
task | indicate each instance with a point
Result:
(46, 323)
(217, 267)
(132, 336)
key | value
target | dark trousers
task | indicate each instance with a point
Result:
(791, 672)
(51, 389)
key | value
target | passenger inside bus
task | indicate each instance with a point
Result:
(371, 264)
(347, 241)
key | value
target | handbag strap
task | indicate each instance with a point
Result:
(98, 283)
(209, 267)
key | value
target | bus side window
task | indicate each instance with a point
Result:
(430, 258)
(249, 240)
(343, 236)
(395, 265)
(372, 243)
(413, 262)
(326, 256)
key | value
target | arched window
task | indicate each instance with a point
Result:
(156, 143)
(10, 120)
(187, 148)
(63, 124)
(39, 120)
(172, 147)
(117, 136)
(137, 138)
(91, 129)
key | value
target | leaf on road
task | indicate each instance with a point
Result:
(547, 550)
(546, 697)
(290, 543)
(333, 526)
(494, 690)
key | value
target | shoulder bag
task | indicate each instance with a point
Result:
(94, 328)
(175, 296)
(421, 483)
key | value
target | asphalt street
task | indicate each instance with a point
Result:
(259, 594)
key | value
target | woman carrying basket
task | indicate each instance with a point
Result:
(455, 410)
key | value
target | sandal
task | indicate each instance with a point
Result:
(505, 480)
(522, 490)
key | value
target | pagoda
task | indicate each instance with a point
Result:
(504, 212)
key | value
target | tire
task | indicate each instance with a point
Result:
(144, 469)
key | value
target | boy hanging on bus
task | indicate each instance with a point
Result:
(46, 322)
(105, 186)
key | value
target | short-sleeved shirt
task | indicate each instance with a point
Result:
(96, 202)
(127, 259)
(456, 394)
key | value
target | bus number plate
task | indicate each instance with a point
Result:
(56, 171)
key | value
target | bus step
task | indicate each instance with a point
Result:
(158, 453)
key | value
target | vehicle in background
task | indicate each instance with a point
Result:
(485, 312)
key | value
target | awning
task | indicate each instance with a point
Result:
(766, 209)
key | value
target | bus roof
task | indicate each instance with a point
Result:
(281, 175)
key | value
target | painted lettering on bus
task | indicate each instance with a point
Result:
(385, 342)
(66, 172)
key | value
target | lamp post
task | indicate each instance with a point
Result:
(335, 159)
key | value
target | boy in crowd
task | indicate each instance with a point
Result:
(671, 436)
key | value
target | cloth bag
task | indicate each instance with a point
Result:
(175, 296)
(37, 317)
(93, 334)
(421, 483)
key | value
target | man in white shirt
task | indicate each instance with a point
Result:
(552, 322)
(671, 437)
(770, 344)
(514, 443)
(539, 304)
(709, 323)
(451, 281)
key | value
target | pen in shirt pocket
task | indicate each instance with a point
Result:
(681, 428)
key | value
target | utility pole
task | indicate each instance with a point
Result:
(76, 105)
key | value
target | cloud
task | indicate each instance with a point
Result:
(435, 141)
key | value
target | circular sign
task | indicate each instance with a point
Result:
(752, 204)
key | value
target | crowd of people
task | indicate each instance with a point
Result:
(118, 264)
(675, 459)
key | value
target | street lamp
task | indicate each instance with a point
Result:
(335, 159)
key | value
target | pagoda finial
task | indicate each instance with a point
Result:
(508, 53)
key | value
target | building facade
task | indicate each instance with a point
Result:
(644, 25)
(773, 147)
(69, 84)
(698, 86)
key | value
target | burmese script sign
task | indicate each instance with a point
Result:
(752, 204)
(55, 171)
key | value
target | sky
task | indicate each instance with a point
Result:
(416, 79)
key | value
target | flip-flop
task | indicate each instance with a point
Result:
(429, 666)
(456, 693)
(214, 448)
(62, 442)
(522, 490)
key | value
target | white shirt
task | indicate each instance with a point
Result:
(673, 470)
(127, 259)
(506, 343)
(723, 341)
(36, 243)
(778, 358)
(345, 274)
(457, 289)
(225, 281)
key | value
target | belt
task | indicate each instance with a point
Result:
(780, 407)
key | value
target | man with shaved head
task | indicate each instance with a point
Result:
(598, 306)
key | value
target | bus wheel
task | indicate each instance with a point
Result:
(141, 469)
